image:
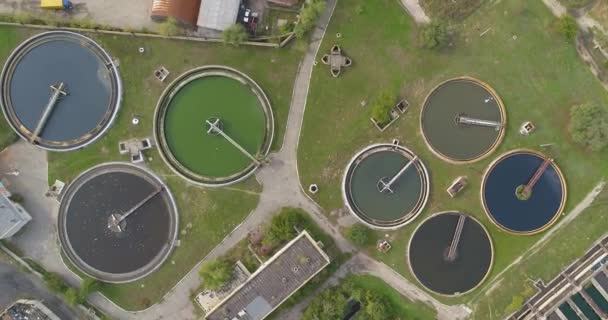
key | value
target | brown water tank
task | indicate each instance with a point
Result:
(184, 11)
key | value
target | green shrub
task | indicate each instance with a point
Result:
(87, 287)
(359, 234)
(434, 35)
(589, 126)
(169, 28)
(215, 274)
(16, 197)
(54, 282)
(382, 108)
(23, 18)
(71, 297)
(332, 303)
(567, 27)
(235, 35)
(311, 12)
(282, 227)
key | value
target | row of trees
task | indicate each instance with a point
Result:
(73, 296)
(333, 303)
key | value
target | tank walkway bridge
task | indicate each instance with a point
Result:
(537, 175)
(57, 91)
(462, 119)
(452, 251)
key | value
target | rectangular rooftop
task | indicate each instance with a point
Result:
(280, 277)
(12, 216)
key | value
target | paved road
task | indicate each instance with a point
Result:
(131, 14)
(38, 239)
(16, 285)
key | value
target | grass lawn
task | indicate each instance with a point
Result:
(206, 215)
(599, 12)
(8, 41)
(538, 75)
(402, 306)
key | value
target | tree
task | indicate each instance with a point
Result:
(87, 286)
(282, 227)
(169, 28)
(434, 35)
(374, 308)
(54, 282)
(589, 126)
(71, 297)
(382, 108)
(567, 27)
(358, 234)
(308, 17)
(330, 304)
(215, 274)
(235, 35)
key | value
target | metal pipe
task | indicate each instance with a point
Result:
(238, 146)
(388, 185)
(479, 122)
(57, 92)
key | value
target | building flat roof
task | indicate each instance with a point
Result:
(274, 282)
(12, 217)
(566, 284)
(218, 14)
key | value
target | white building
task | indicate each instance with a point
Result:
(12, 216)
(218, 14)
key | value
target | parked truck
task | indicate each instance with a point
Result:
(56, 4)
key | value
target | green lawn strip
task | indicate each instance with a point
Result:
(9, 39)
(567, 245)
(401, 306)
(207, 215)
(522, 69)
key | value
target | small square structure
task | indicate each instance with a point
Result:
(457, 185)
(526, 128)
(161, 74)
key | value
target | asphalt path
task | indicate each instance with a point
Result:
(15, 285)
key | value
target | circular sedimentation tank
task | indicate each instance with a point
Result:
(462, 120)
(60, 90)
(117, 222)
(504, 182)
(214, 126)
(386, 186)
(450, 253)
